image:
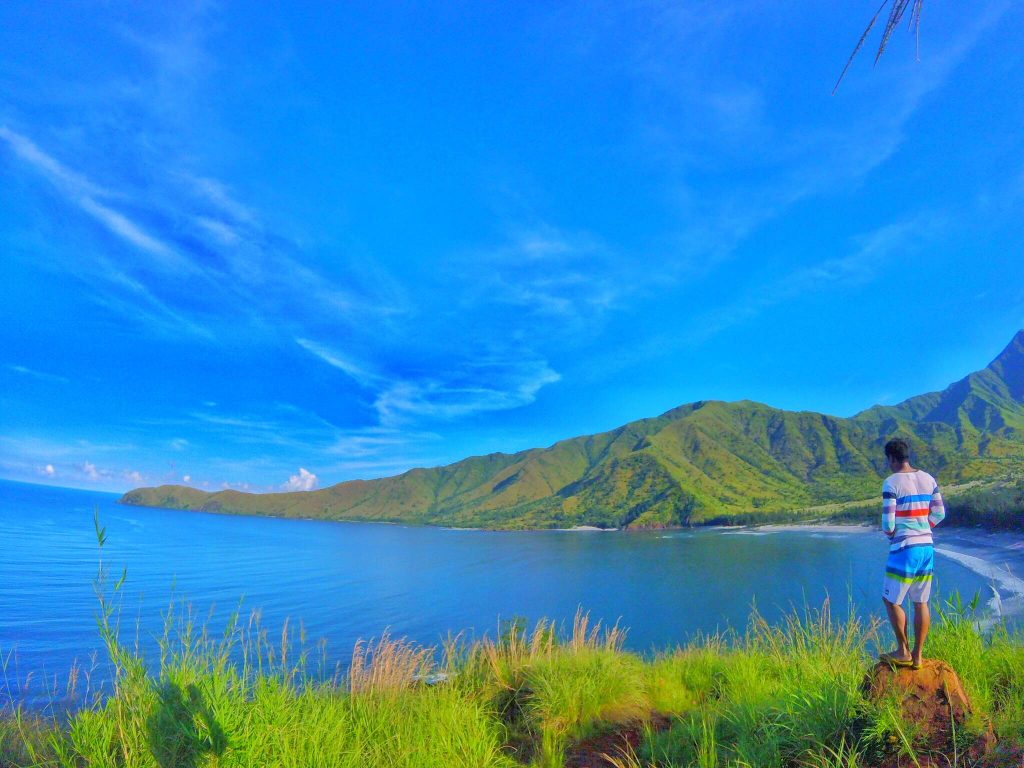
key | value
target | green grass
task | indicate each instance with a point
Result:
(787, 695)
(551, 690)
(990, 664)
(771, 697)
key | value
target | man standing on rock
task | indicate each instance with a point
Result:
(911, 507)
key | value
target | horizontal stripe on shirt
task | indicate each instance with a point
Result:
(913, 523)
(917, 497)
(900, 545)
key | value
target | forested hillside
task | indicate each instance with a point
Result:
(700, 462)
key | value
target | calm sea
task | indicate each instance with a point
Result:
(345, 581)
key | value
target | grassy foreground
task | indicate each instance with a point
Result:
(788, 695)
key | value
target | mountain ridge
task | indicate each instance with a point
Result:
(695, 463)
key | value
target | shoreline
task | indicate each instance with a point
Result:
(997, 556)
(810, 527)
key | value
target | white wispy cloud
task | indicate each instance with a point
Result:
(39, 460)
(134, 477)
(129, 231)
(392, 465)
(131, 299)
(844, 272)
(712, 124)
(286, 429)
(240, 273)
(41, 375)
(216, 264)
(79, 190)
(559, 277)
(91, 472)
(241, 486)
(55, 172)
(221, 198)
(515, 385)
(199, 259)
(44, 449)
(377, 441)
(464, 388)
(225, 233)
(358, 372)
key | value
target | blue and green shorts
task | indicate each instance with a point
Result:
(908, 572)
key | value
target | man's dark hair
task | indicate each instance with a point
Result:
(897, 450)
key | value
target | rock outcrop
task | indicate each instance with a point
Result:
(934, 703)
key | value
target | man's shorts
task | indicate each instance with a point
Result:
(908, 572)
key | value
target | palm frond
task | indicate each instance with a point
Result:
(898, 9)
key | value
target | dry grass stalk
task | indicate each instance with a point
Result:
(586, 637)
(518, 647)
(626, 758)
(388, 665)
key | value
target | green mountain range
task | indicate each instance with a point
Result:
(708, 461)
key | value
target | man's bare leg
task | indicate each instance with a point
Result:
(922, 622)
(898, 619)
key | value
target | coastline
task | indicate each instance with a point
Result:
(997, 556)
(810, 528)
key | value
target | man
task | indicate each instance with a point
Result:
(911, 507)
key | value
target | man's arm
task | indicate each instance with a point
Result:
(888, 510)
(936, 509)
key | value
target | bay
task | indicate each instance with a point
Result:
(348, 581)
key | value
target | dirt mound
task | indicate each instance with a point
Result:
(934, 702)
(590, 753)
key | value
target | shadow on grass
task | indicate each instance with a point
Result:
(183, 728)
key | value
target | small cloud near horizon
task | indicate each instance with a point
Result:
(303, 481)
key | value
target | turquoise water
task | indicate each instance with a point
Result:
(345, 581)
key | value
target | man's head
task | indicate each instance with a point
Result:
(898, 453)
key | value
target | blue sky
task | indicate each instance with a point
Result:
(274, 247)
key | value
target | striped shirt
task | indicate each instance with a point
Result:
(911, 507)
